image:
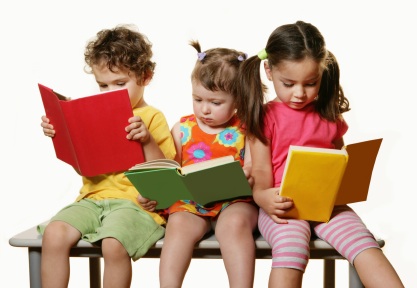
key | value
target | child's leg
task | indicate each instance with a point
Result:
(375, 270)
(57, 241)
(290, 249)
(234, 231)
(117, 264)
(126, 232)
(349, 236)
(183, 230)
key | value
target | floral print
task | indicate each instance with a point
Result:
(197, 146)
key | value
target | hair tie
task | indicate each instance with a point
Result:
(242, 57)
(262, 54)
(201, 55)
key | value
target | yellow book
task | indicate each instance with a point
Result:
(318, 178)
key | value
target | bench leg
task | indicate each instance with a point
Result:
(95, 272)
(354, 281)
(35, 267)
(329, 273)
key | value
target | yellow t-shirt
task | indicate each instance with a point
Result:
(116, 185)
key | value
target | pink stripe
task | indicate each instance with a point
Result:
(290, 245)
(336, 231)
(343, 241)
(289, 264)
(359, 249)
(292, 254)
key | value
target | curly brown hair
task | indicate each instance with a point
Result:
(124, 48)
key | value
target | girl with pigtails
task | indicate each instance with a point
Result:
(212, 131)
(307, 111)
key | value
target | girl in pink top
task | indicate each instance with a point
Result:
(307, 110)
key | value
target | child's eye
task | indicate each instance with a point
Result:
(103, 85)
(311, 84)
(216, 103)
(197, 100)
(121, 84)
(288, 84)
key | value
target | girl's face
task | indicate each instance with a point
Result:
(120, 79)
(212, 109)
(296, 83)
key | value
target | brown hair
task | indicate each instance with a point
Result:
(290, 42)
(216, 69)
(122, 47)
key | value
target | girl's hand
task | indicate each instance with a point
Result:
(275, 205)
(48, 129)
(147, 204)
(247, 171)
(137, 130)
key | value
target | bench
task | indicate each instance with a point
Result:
(206, 248)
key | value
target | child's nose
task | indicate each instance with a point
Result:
(205, 109)
(299, 91)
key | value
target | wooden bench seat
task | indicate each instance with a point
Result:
(206, 248)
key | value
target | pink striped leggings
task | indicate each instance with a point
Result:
(290, 242)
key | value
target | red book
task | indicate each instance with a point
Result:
(90, 131)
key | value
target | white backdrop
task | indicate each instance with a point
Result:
(43, 42)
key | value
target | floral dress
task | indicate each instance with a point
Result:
(198, 146)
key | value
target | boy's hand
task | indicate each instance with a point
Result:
(146, 203)
(137, 130)
(48, 129)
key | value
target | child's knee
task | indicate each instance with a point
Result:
(112, 248)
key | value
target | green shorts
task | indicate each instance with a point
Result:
(112, 218)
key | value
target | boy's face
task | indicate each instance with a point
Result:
(120, 79)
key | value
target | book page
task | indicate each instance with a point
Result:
(155, 164)
(206, 164)
(318, 150)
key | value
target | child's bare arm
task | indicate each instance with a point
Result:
(264, 193)
(176, 135)
(247, 164)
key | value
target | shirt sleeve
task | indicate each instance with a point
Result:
(342, 128)
(159, 129)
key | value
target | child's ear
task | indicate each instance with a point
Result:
(267, 70)
(146, 81)
(147, 77)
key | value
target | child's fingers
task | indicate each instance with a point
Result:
(135, 125)
(278, 220)
(134, 119)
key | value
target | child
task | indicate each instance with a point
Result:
(307, 110)
(212, 131)
(106, 211)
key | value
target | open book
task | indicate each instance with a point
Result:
(317, 178)
(90, 131)
(166, 182)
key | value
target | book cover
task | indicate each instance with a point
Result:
(317, 178)
(357, 177)
(90, 131)
(205, 182)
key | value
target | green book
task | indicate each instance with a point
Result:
(166, 182)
